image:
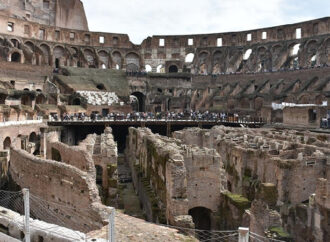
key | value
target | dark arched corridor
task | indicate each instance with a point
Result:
(202, 220)
(173, 69)
(201, 217)
(141, 98)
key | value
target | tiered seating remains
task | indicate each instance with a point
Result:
(99, 98)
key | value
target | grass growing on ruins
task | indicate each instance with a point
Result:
(279, 232)
(238, 200)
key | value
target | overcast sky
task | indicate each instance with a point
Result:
(142, 18)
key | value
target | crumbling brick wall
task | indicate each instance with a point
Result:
(70, 193)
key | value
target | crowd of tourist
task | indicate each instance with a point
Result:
(325, 122)
(144, 73)
(149, 116)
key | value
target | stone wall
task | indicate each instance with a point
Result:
(174, 176)
(161, 162)
(70, 192)
(278, 171)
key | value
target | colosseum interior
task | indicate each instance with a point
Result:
(201, 132)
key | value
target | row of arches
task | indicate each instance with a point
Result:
(59, 55)
(263, 58)
(32, 138)
(224, 59)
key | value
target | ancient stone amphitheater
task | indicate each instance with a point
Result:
(65, 93)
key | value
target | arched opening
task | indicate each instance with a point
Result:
(140, 98)
(117, 59)
(16, 57)
(148, 68)
(101, 87)
(190, 58)
(104, 58)
(76, 102)
(160, 69)
(57, 63)
(173, 69)
(45, 54)
(134, 101)
(34, 143)
(294, 50)
(132, 62)
(90, 57)
(247, 54)
(26, 100)
(99, 175)
(201, 218)
(59, 54)
(15, 43)
(6, 143)
(40, 99)
(56, 155)
(313, 61)
(103, 66)
(33, 137)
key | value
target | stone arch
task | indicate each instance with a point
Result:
(258, 103)
(132, 62)
(201, 218)
(290, 99)
(319, 99)
(311, 46)
(304, 99)
(247, 54)
(293, 47)
(33, 137)
(59, 56)
(189, 57)
(30, 45)
(141, 101)
(231, 103)
(117, 59)
(7, 143)
(173, 69)
(26, 100)
(148, 68)
(90, 58)
(104, 58)
(217, 61)
(16, 57)
(202, 56)
(244, 103)
(56, 155)
(16, 42)
(276, 49)
(203, 69)
(160, 69)
(45, 57)
(41, 99)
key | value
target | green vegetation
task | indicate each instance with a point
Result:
(280, 233)
(238, 200)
